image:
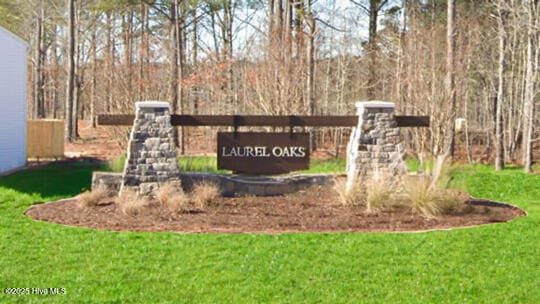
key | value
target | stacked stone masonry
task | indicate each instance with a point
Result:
(151, 159)
(374, 146)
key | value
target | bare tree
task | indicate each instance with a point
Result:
(373, 9)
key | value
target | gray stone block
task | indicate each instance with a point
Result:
(110, 180)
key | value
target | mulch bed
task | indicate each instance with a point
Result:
(313, 210)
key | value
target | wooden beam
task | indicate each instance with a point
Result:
(263, 120)
(260, 120)
(115, 119)
(412, 121)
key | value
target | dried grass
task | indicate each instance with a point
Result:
(172, 198)
(422, 197)
(94, 197)
(379, 193)
(354, 196)
(204, 193)
(425, 198)
(450, 201)
(131, 203)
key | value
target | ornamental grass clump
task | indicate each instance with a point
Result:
(172, 198)
(379, 193)
(204, 194)
(131, 203)
(94, 197)
(425, 198)
(354, 195)
(421, 196)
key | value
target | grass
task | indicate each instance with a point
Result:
(117, 164)
(491, 264)
(199, 164)
(209, 164)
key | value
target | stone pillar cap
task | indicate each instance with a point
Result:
(152, 104)
(375, 104)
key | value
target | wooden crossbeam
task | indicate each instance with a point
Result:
(264, 120)
(260, 120)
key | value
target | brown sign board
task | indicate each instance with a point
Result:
(263, 153)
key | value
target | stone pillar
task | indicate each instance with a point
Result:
(151, 156)
(374, 146)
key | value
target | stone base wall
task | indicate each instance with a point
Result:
(151, 158)
(231, 185)
(374, 147)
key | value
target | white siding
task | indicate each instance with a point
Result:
(12, 101)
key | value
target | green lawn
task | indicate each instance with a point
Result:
(209, 164)
(491, 264)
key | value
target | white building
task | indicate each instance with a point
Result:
(12, 101)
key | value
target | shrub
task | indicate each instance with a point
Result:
(94, 197)
(204, 193)
(131, 203)
(172, 197)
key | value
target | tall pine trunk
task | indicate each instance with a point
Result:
(70, 83)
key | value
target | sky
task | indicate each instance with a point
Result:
(343, 3)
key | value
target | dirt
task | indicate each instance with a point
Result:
(313, 210)
(93, 143)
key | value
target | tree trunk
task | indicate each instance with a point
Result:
(109, 70)
(310, 79)
(93, 87)
(450, 81)
(77, 77)
(195, 54)
(499, 124)
(372, 49)
(528, 102)
(56, 73)
(70, 84)
(175, 58)
(39, 76)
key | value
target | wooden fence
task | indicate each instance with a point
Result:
(45, 138)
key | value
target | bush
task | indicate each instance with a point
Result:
(131, 203)
(204, 193)
(94, 197)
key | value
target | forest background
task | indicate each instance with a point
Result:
(474, 62)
